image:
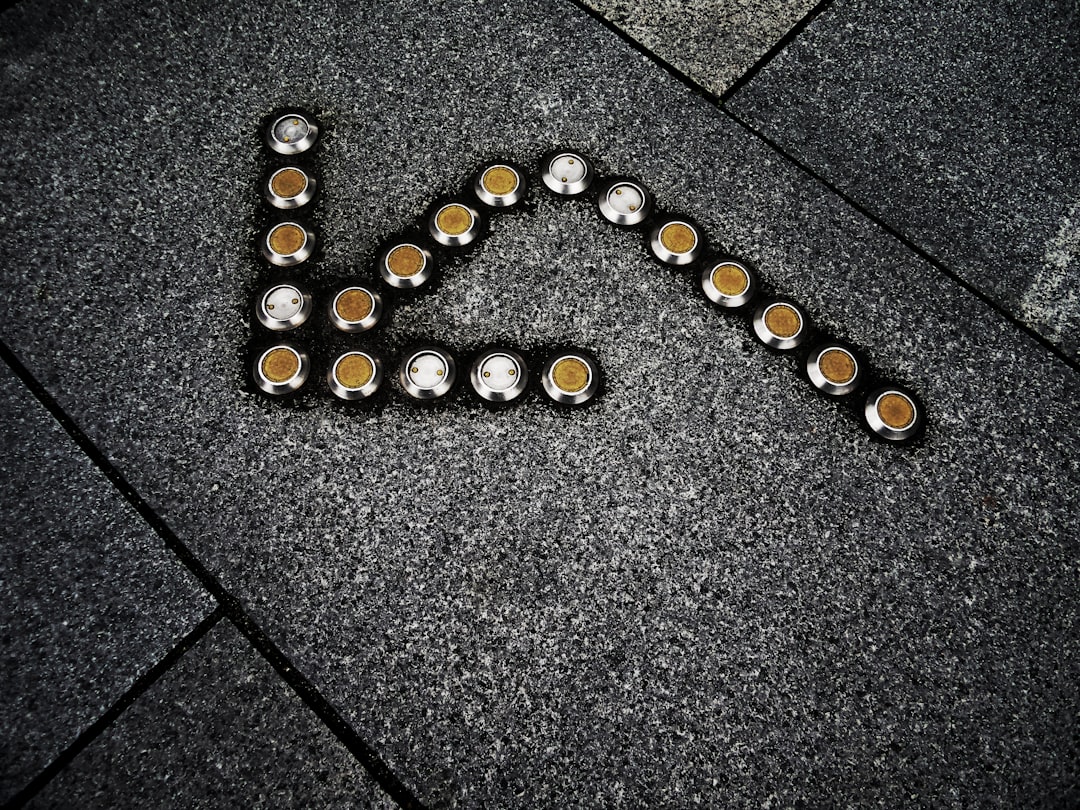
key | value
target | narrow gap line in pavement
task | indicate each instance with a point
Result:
(231, 606)
(938, 264)
(772, 53)
(693, 85)
(134, 692)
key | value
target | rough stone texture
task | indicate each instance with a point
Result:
(957, 124)
(89, 597)
(714, 43)
(218, 730)
(709, 588)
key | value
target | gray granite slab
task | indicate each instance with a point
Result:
(958, 126)
(90, 598)
(710, 588)
(714, 43)
(220, 729)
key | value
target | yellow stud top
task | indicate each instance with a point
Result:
(730, 279)
(678, 238)
(289, 183)
(896, 411)
(500, 181)
(287, 239)
(354, 371)
(405, 261)
(783, 321)
(354, 305)
(836, 366)
(570, 375)
(454, 220)
(280, 365)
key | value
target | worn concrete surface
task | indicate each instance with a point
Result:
(711, 587)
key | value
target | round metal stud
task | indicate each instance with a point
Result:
(356, 308)
(676, 241)
(834, 369)
(292, 133)
(781, 324)
(427, 372)
(570, 377)
(405, 265)
(729, 283)
(499, 375)
(287, 244)
(283, 307)
(624, 201)
(355, 375)
(893, 413)
(289, 187)
(499, 185)
(567, 173)
(281, 369)
(454, 224)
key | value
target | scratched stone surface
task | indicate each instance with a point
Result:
(710, 587)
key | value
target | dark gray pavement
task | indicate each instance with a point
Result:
(709, 589)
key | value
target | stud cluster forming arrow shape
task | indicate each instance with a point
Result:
(501, 375)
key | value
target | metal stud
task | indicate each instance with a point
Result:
(287, 244)
(499, 185)
(624, 201)
(566, 172)
(781, 324)
(499, 375)
(289, 187)
(570, 377)
(729, 283)
(834, 369)
(281, 369)
(893, 413)
(283, 307)
(292, 133)
(356, 308)
(405, 265)
(676, 241)
(355, 375)
(427, 372)
(454, 224)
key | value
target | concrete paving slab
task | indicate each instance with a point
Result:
(218, 730)
(90, 597)
(956, 125)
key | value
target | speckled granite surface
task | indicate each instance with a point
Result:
(219, 730)
(710, 588)
(89, 597)
(714, 43)
(956, 124)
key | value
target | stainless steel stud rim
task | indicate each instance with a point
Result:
(766, 336)
(449, 239)
(874, 420)
(553, 178)
(567, 397)
(609, 189)
(339, 389)
(722, 299)
(289, 203)
(406, 282)
(480, 383)
(661, 252)
(277, 324)
(362, 325)
(823, 383)
(290, 385)
(302, 144)
(418, 388)
(498, 200)
(288, 259)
